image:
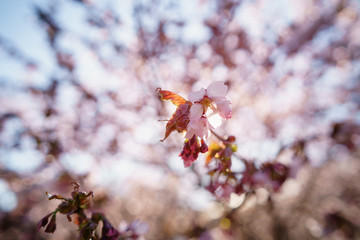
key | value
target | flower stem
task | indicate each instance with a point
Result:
(220, 138)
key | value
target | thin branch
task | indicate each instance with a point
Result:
(220, 138)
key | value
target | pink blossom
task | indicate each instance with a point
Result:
(198, 125)
(138, 228)
(213, 97)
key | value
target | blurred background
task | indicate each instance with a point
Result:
(78, 102)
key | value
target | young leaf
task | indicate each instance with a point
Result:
(167, 95)
(43, 221)
(179, 120)
(51, 227)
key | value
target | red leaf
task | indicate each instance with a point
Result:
(179, 120)
(167, 95)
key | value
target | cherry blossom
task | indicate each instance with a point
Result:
(214, 98)
(192, 117)
(198, 125)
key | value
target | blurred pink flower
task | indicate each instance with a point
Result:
(138, 228)
(108, 231)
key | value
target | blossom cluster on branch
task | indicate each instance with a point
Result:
(191, 117)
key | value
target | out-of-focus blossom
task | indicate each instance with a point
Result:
(138, 228)
(108, 231)
(270, 174)
(346, 133)
(134, 230)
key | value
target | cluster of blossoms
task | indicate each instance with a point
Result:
(191, 116)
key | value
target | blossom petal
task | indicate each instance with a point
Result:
(199, 127)
(223, 107)
(196, 111)
(217, 89)
(190, 131)
(197, 96)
